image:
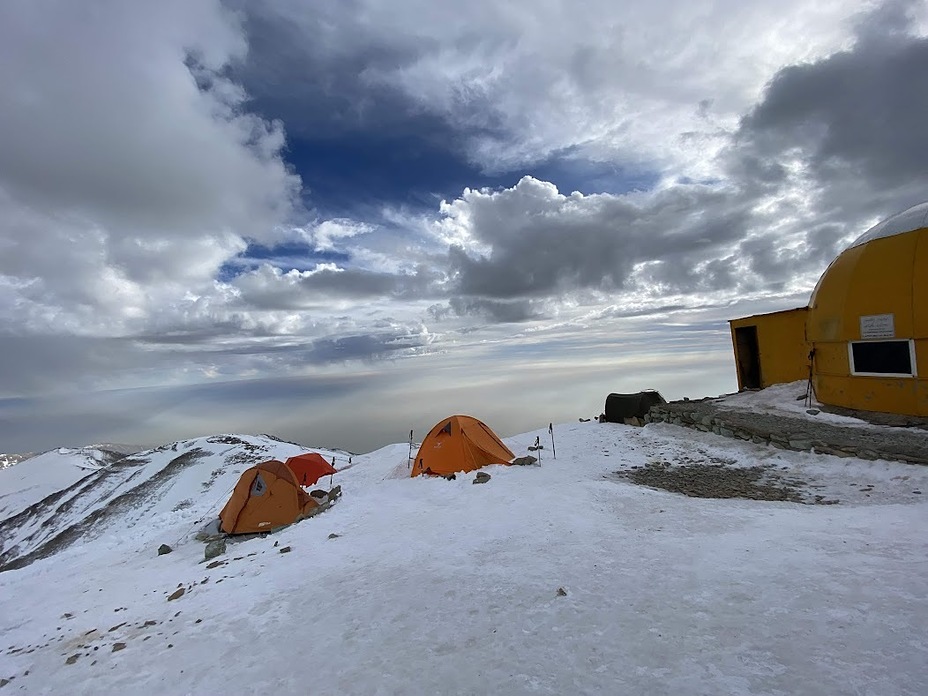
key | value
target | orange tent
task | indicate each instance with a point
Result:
(266, 497)
(309, 468)
(459, 443)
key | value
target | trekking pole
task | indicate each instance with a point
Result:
(808, 399)
(551, 430)
(409, 458)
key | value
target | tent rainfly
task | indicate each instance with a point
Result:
(457, 444)
(309, 468)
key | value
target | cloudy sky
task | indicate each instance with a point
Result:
(335, 222)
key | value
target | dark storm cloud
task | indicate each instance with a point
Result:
(849, 132)
(817, 249)
(503, 311)
(856, 113)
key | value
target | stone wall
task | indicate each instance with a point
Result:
(787, 432)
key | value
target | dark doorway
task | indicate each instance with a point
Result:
(748, 356)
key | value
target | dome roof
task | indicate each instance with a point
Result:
(909, 220)
(869, 280)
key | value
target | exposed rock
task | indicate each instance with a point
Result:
(163, 549)
(118, 646)
(524, 461)
(176, 594)
(481, 477)
(216, 547)
(215, 564)
(74, 658)
(561, 592)
(210, 532)
(333, 535)
(285, 549)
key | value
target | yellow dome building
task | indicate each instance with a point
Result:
(868, 320)
(866, 326)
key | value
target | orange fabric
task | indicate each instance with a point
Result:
(309, 468)
(459, 443)
(266, 497)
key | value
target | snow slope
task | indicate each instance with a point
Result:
(34, 478)
(435, 586)
(65, 496)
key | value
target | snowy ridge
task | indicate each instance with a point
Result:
(108, 491)
(38, 476)
(552, 579)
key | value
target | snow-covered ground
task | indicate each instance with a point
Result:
(21, 487)
(435, 586)
(788, 399)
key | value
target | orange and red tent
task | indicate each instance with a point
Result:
(266, 497)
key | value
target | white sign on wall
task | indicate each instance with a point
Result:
(877, 326)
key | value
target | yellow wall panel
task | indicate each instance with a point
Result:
(782, 346)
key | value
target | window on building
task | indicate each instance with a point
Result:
(882, 358)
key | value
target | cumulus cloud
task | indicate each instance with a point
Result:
(132, 169)
(545, 243)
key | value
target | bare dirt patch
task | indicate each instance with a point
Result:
(720, 479)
